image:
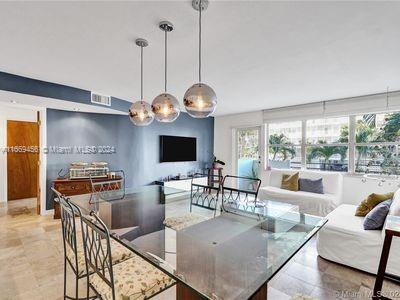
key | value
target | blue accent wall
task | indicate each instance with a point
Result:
(24, 85)
(137, 148)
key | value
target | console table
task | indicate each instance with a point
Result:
(73, 187)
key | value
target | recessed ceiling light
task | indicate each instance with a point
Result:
(13, 101)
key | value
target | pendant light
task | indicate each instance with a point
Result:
(165, 106)
(200, 99)
(140, 112)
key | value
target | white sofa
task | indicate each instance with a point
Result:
(310, 203)
(344, 240)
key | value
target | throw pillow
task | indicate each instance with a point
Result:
(377, 216)
(290, 182)
(312, 186)
(372, 200)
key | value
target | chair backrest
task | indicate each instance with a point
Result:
(96, 242)
(68, 225)
(205, 190)
(110, 189)
(240, 189)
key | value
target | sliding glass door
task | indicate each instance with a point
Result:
(248, 141)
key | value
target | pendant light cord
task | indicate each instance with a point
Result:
(165, 63)
(200, 9)
(141, 73)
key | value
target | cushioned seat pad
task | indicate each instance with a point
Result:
(118, 251)
(134, 279)
(178, 223)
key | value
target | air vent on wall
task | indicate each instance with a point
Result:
(100, 99)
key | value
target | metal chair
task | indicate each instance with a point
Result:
(71, 255)
(239, 191)
(108, 189)
(98, 254)
(74, 254)
(203, 195)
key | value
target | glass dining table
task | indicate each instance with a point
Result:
(230, 256)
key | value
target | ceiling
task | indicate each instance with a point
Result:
(256, 54)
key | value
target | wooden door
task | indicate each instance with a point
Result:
(22, 163)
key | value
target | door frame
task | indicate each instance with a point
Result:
(42, 154)
(235, 155)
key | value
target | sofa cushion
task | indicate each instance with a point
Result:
(370, 202)
(290, 182)
(309, 203)
(377, 216)
(332, 181)
(312, 186)
(343, 240)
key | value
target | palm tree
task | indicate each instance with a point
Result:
(365, 132)
(390, 131)
(279, 143)
(325, 152)
(369, 119)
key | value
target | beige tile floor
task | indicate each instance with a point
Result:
(31, 257)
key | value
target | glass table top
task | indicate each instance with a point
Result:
(229, 256)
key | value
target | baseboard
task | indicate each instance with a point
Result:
(47, 212)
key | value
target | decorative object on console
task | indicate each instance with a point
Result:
(200, 99)
(140, 112)
(165, 106)
(217, 163)
(372, 200)
(312, 186)
(80, 170)
(377, 216)
(290, 182)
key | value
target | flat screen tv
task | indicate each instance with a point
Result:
(177, 148)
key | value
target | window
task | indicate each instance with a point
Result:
(370, 141)
(284, 145)
(327, 144)
(377, 140)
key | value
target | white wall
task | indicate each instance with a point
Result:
(354, 190)
(9, 113)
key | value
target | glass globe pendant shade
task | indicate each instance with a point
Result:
(165, 108)
(200, 100)
(141, 114)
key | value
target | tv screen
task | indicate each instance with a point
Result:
(177, 148)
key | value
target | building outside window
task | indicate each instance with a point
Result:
(377, 140)
(327, 144)
(284, 145)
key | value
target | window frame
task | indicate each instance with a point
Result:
(351, 145)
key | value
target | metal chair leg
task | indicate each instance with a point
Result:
(65, 278)
(87, 287)
(76, 287)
